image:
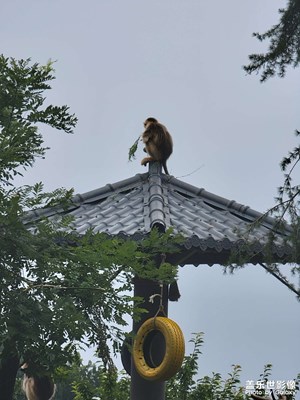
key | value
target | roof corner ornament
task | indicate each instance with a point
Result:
(158, 143)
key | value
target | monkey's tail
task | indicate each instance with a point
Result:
(164, 164)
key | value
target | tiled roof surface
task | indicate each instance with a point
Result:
(212, 224)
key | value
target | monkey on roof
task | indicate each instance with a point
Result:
(158, 143)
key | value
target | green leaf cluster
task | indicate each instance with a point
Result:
(22, 110)
(284, 45)
(78, 382)
(283, 51)
(133, 149)
(287, 201)
(58, 290)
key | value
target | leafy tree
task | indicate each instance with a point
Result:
(87, 382)
(21, 108)
(184, 385)
(98, 383)
(57, 289)
(284, 45)
(283, 51)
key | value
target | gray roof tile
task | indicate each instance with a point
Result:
(133, 206)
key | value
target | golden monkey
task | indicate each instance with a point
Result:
(37, 387)
(158, 143)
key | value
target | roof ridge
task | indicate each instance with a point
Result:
(156, 199)
(231, 205)
(105, 191)
(86, 197)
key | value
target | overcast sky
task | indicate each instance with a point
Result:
(180, 61)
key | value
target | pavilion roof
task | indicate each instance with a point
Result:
(213, 226)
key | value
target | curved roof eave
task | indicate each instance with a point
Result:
(213, 225)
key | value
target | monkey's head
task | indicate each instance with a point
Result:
(150, 121)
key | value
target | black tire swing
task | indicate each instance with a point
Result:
(146, 363)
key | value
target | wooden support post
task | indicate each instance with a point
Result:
(142, 389)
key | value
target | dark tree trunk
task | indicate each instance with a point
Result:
(8, 373)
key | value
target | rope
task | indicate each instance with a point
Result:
(160, 295)
(160, 307)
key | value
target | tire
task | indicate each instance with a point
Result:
(143, 355)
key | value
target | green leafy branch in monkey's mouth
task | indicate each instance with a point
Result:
(133, 149)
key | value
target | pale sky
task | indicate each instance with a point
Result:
(180, 61)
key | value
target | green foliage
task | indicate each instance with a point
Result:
(287, 201)
(18, 392)
(25, 260)
(86, 382)
(284, 45)
(83, 391)
(58, 289)
(158, 246)
(133, 149)
(183, 382)
(88, 283)
(22, 87)
(113, 387)
(184, 385)
(282, 233)
(107, 384)
(77, 381)
(284, 50)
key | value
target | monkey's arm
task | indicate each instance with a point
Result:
(146, 160)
